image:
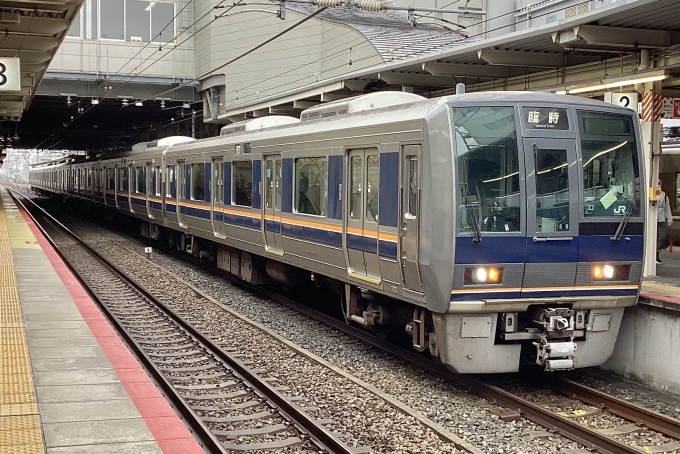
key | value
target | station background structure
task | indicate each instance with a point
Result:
(134, 70)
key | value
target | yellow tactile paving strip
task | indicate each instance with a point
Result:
(20, 428)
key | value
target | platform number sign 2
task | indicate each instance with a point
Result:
(9, 74)
(629, 100)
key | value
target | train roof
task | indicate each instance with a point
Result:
(528, 97)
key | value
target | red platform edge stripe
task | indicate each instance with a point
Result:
(167, 428)
(654, 296)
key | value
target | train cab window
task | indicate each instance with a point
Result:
(243, 183)
(311, 193)
(552, 190)
(197, 181)
(611, 173)
(488, 169)
(140, 180)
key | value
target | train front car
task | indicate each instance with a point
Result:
(548, 224)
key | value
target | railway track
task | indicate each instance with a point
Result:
(230, 406)
(510, 405)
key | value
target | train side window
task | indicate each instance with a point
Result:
(311, 177)
(182, 182)
(170, 181)
(197, 181)
(487, 160)
(355, 177)
(110, 179)
(269, 184)
(279, 186)
(158, 181)
(243, 183)
(89, 178)
(372, 187)
(140, 179)
(412, 200)
(123, 184)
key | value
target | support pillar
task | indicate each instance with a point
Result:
(651, 144)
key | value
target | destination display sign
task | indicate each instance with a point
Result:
(548, 118)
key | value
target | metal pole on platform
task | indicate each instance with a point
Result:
(651, 144)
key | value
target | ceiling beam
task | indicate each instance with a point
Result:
(598, 36)
(461, 70)
(304, 104)
(417, 79)
(36, 25)
(532, 59)
(328, 97)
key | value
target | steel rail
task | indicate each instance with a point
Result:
(589, 438)
(322, 437)
(627, 410)
(206, 439)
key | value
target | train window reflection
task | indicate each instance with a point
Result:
(372, 187)
(611, 174)
(140, 180)
(488, 169)
(355, 187)
(552, 190)
(197, 181)
(312, 193)
(243, 183)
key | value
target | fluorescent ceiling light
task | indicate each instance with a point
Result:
(613, 83)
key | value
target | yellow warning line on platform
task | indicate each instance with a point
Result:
(20, 428)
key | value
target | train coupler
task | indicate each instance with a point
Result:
(555, 349)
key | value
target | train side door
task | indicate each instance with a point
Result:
(552, 217)
(361, 233)
(272, 204)
(409, 237)
(217, 199)
(181, 179)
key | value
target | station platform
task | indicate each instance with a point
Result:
(68, 384)
(663, 290)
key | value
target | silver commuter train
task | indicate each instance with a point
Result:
(491, 226)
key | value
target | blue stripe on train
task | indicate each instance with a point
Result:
(242, 221)
(309, 233)
(171, 207)
(155, 205)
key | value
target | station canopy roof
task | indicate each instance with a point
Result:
(431, 60)
(32, 32)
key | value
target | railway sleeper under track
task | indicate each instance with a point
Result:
(246, 411)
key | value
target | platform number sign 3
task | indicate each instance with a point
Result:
(9, 74)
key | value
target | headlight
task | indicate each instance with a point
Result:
(483, 275)
(611, 272)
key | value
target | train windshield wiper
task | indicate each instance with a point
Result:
(622, 224)
(469, 209)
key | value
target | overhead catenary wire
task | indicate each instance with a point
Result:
(307, 63)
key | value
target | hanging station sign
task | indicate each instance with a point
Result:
(10, 77)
